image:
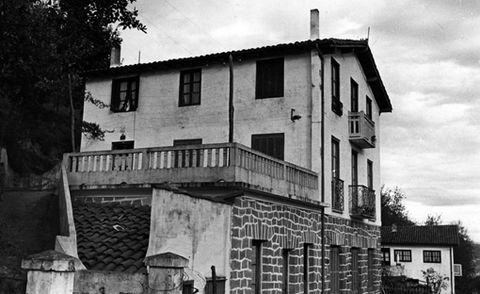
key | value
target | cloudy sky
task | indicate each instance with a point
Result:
(427, 52)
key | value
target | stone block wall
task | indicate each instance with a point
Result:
(347, 234)
(279, 227)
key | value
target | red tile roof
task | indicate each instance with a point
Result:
(112, 236)
(421, 235)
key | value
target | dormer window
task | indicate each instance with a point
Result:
(124, 94)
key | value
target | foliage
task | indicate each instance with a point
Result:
(42, 45)
(393, 209)
(433, 220)
(435, 281)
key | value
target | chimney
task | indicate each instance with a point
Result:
(314, 24)
(115, 56)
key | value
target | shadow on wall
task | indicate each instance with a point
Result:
(28, 224)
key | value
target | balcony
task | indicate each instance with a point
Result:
(361, 130)
(362, 202)
(215, 164)
(337, 195)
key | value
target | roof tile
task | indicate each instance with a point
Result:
(421, 235)
(112, 236)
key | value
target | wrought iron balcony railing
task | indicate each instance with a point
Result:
(337, 195)
(362, 202)
(361, 130)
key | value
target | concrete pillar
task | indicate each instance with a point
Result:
(165, 273)
(50, 272)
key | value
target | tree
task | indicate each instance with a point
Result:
(393, 209)
(433, 220)
(43, 48)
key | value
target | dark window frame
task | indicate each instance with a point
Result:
(335, 158)
(432, 256)
(368, 108)
(354, 166)
(272, 144)
(270, 78)
(337, 106)
(353, 95)
(285, 269)
(402, 255)
(123, 145)
(130, 103)
(386, 258)
(335, 269)
(370, 174)
(306, 267)
(190, 73)
(256, 266)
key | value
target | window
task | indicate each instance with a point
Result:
(353, 96)
(306, 267)
(335, 158)
(121, 145)
(286, 273)
(269, 79)
(124, 94)
(190, 81)
(270, 144)
(256, 266)
(337, 105)
(370, 255)
(369, 108)
(370, 174)
(335, 269)
(402, 255)
(386, 256)
(354, 168)
(432, 256)
(185, 142)
(355, 271)
(189, 157)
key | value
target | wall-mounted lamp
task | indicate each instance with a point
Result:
(294, 116)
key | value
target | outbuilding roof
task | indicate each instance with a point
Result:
(325, 46)
(421, 235)
(112, 236)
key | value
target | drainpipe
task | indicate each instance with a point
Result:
(230, 100)
(322, 163)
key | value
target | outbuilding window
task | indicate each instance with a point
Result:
(432, 256)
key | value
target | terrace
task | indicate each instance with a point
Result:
(211, 164)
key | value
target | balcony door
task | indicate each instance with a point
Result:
(353, 96)
(354, 168)
(270, 144)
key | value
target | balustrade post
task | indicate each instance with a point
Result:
(145, 160)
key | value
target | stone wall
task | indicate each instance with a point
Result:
(279, 227)
(348, 234)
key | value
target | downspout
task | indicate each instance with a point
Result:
(230, 100)
(322, 164)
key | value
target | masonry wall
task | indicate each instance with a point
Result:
(279, 227)
(348, 234)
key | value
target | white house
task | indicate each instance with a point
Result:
(413, 249)
(288, 134)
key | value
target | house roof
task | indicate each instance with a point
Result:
(112, 236)
(326, 46)
(421, 235)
